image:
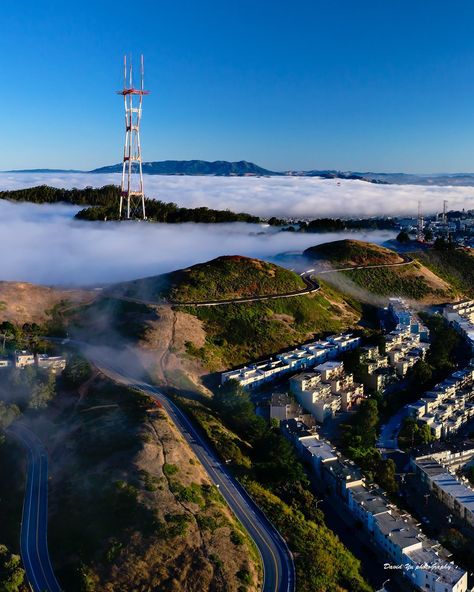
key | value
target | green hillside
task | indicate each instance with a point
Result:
(223, 278)
(413, 281)
(352, 252)
(238, 333)
(456, 266)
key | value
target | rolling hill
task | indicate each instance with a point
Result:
(21, 302)
(399, 278)
(223, 278)
(456, 266)
(352, 252)
(221, 336)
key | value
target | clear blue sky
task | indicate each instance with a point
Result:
(347, 84)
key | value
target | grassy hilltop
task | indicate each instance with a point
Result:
(224, 278)
(414, 281)
(352, 252)
(234, 333)
(456, 266)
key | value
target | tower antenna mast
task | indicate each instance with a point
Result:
(132, 197)
(420, 225)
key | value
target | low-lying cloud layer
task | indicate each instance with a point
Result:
(44, 244)
(279, 196)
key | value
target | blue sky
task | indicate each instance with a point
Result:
(347, 84)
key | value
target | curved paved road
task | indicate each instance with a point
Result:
(34, 524)
(278, 566)
(312, 286)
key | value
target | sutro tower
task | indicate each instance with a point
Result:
(132, 198)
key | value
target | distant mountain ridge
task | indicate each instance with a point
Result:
(224, 168)
(221, 168)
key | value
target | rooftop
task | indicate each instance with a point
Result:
(318, 448)
(331, 365)
(431, 561)
(401, 531)
(371, 500)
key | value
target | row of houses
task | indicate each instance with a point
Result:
(303, 357)
(402, 350)
(405, 318)
(326, 390)
(461, 317)
(23, 358)
(451, 490)
(395, 534)
(449, 405)
(403, 347)
(453, 455)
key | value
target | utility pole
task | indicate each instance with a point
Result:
(132, 197)
(420, 224)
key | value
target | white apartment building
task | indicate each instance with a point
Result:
(452, 491)
(461, 316)
(52, 363)
(303, 357)
(394, 533)
(326, 390)
(23, 358)
(449, 405)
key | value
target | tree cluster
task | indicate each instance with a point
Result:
(12, 574)
(273, 457)
(413, 434)
(359, 439)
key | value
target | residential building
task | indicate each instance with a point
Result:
(304, 357)
(451, 490)
(449, 405)
(395, 534)
(52, 363)
(461, 317)
(23, 358)
(326, 390)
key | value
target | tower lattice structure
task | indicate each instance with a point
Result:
(132, 197)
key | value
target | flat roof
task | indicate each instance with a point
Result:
(463, 494)
(318, 448)
(371, 500)
(330, 365)
(345, 472)
(400, 530)
(430, 561)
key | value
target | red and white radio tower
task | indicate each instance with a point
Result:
(132, 198)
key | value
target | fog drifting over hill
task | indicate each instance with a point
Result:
(43, 244)
(267, 196)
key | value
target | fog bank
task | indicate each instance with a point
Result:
(44, 244)
(279, 196)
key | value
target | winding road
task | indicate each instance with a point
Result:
(277, 560)
(34, 524)
(312, 286)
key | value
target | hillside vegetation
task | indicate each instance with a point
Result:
(103, 202)
(223, 278)
(21, 302)
(352, 252)
(132, 508)
(455, 266)
(240, 332)
(413, 281)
